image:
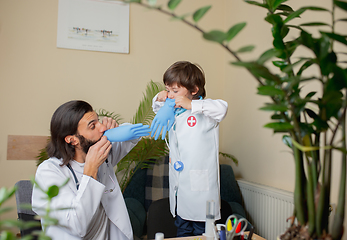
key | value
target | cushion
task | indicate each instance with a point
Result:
(157, 181)
(136, 186)
(160, 220)
(137, 215)
(237, 209)
(230, 190)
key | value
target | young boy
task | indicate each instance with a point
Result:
(194, 147)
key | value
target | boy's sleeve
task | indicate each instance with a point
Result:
(156, 105)
(215, 109)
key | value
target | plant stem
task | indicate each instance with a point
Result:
(299, 186)
(337, 230)
(310, 201)
(324, 198)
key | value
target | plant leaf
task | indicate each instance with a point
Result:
(280, 64)
(198, 14)
(287, 140)
(341, 4)
(314, 24)
(258, 4)
(258, 70)
(215, 36)
(146, 151)
(276, 117)
(285, 8)
(306, 65)
(152, 2)
(232, 157)
(248, 48)
(52, 191)
(311, 113)
(294, 26)
(279, 126)
(144, 113)
(290, 67)
(104, 113)
(275, 107)
(234, 30)
(313, 8)
(5, 209)
(5, 194)
(270, 91)
(294, 15)
(308, 148)
(337, 37)
(173, 4)
(268, 54)
(277, 3)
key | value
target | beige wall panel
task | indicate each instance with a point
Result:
(21, 147)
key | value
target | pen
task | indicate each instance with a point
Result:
(222, 235)
(250, 233)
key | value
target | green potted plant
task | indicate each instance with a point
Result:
(312, 125)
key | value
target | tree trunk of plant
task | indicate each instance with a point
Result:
(339, 217)
(324, 196)
(300, 184)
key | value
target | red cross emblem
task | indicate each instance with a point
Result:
(191, 121)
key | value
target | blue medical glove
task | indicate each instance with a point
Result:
(127, 132)
(164, 119)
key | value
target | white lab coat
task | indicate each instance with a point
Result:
(194, 140)
(83, 203)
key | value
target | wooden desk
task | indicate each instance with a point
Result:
(254, 237)
(188, 238)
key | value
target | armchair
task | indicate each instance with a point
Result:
(149, 185)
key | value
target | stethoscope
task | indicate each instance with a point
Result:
(77, 182)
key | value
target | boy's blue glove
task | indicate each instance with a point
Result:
(127, 132)
(164, 119)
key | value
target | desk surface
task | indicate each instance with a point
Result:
(254, 237)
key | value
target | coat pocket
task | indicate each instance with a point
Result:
(199, 180)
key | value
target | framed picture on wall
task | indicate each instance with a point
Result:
(95, 25)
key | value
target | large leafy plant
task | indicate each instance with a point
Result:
(312, 124)
(148, 150)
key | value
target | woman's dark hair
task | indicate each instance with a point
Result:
(64, 122)
(188, 75)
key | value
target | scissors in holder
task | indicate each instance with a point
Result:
(235, 227)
